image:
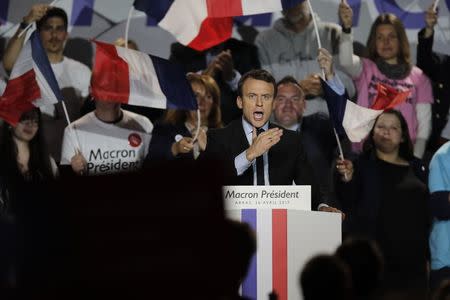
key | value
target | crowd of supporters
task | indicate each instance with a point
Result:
(392, 190)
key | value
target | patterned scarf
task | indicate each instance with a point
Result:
(398, 71)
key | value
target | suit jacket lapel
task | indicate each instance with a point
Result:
(239, 134)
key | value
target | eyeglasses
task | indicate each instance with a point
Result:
(30, 122)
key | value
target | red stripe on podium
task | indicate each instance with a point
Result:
(279, 252)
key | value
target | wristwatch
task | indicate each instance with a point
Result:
(346, 30)
(23, 25)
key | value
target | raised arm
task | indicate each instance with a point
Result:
(349, 62)
(15, 44)
(427, 60)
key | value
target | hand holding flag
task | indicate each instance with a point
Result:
(36, 13)
(431, 16)
(357, 121)
(78, 163)
(345, 14)
(326, 63)
(32, 82)
(184, 145)
(345, 168)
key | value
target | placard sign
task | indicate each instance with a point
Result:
(294, 197)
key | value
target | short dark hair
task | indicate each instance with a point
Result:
(325, 271)
(242, 246)
(406, 149)
(258, 74)
(53, 12)
(290, 80)
(366, 263)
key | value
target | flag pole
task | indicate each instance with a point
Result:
(31, 24)
(127, 27)
(198, 126)
(316, 29)
(319, 43)
(436, 3)
(70, 128)
(444, 34)
(62, 101)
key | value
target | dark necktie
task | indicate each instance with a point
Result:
(259, 164)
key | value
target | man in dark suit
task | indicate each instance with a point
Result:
(316, 131)
(225, 63)
(256, 152)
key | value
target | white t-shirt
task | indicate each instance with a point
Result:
(108, 148)
(70, 73)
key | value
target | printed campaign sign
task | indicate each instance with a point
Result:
(296, 197)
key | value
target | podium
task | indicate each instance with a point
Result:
(288, 235)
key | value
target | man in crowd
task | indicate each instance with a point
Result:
(106, 140)
(316, 130)
(73, 77)
(291, 48)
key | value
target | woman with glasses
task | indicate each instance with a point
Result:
(23, 159)
(173, 137)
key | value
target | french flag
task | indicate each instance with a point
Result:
(135, 78)
(268, 270)
(285, 242)
(354, 120)
(32, 82)
(201, 24)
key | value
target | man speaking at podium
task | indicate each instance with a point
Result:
(256, 152)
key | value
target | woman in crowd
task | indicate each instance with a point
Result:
(173, 137)
(384, 196)
(388, 62)
(23, 159)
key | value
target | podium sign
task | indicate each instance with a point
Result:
(296, 197)
(286, 236)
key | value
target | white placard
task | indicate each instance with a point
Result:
(294, 197)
